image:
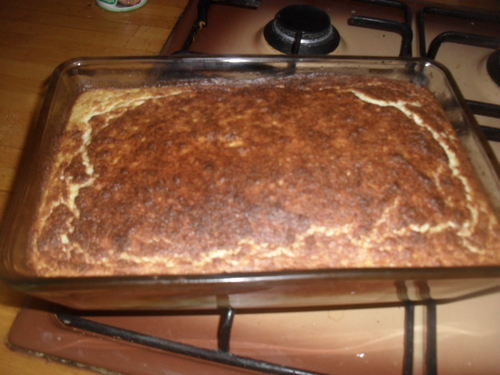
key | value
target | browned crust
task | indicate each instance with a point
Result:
(300, 173)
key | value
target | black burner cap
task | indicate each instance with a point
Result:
(302, 29)
(493, 66)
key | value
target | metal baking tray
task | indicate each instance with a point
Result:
(252, 290)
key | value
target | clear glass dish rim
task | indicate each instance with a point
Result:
(34, 283)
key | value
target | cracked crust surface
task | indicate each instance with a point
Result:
(294, 173)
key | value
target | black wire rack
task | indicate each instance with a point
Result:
(223, 355)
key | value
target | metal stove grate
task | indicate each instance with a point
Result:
(223, 355)
(485, 41)
(402, 28)
(202, 17)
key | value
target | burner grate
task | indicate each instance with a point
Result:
(454, 37)
(202, 17)
(223, 355)
(306, 39)
(485, 41)
(402, 28)
(117, 341)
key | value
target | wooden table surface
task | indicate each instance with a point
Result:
(35, 37)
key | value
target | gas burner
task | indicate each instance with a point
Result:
(493, 66)
(302, 29)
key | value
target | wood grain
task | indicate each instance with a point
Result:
(36, 37)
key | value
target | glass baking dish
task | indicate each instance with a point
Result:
(252, 290)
